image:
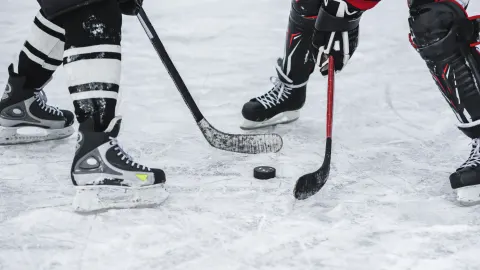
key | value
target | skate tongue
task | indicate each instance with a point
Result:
(114, 126)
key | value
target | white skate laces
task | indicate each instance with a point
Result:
(278, 93)
(41, 98)
(124, 156)
(474, 158)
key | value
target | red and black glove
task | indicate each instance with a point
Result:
(336, 30)
(336, 33)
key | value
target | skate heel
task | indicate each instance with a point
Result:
(97, 197)
(30, 134)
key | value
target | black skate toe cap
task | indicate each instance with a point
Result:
(159, 176)
(465, 177)
(69, 117)
(253, 111)
(455, 180)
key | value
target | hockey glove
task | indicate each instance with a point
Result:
(130, 7)
(337, 34)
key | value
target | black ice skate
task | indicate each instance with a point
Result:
(466, 180)
(25, 116)
(280, 105)
(106, 177)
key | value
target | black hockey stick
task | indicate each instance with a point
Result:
(240, 143)
(311, 183)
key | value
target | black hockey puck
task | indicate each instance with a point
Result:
(264, 172)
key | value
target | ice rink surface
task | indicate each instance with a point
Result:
(388, 204)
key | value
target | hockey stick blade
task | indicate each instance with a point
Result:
(247, 144)
(240, 143)
(311, 183)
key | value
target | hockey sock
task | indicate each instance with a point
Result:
(92, 60)
(42, 53)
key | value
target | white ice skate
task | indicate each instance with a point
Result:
(106, 177)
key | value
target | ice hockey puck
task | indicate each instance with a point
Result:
(264, 172)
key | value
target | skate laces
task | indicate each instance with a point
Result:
(281, 90)
(124, 156)
(41, 98)
(474, 158)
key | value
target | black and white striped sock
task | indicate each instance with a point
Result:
(92, 60)
(93, 76)
(42, 52)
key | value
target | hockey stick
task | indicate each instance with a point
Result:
(311, 183)
(240, 143)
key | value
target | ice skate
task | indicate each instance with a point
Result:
(466, 180)
(280, 105)
(106, 177)
(25, 116)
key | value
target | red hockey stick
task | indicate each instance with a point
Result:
(311, 183)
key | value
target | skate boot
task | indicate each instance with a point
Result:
(106, 177)
(466, 180)
(280, 105)
(25, 116)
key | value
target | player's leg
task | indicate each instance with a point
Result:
(104, 175)
(445, 38)
(23, 104)
(282, 103)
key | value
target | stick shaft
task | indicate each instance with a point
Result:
(331, 89)
(162, 52)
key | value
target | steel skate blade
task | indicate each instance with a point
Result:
(468, 196)
(281, 118)
(24, 135)
(97, 198)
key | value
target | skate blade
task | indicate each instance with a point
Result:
(468, 196)
(23, 135)
(281, 118)
(102, 198)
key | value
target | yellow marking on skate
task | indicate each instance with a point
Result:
(142, 177)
